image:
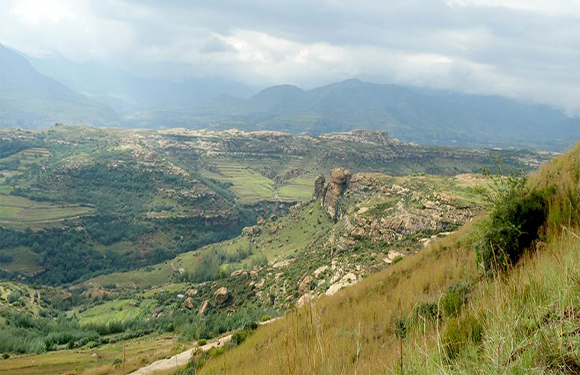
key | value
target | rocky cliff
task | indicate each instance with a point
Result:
(331, 193)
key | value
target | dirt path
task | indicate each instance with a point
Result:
(182, 358)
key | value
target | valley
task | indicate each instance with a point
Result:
(130, 237)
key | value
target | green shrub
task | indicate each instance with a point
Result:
(426, 310)
(14, 296)
(455, 298)
(459, 333)
(265, 318)
(513, 223)
(239, 337)
(202, 342)
(397, 259)
(79, 369)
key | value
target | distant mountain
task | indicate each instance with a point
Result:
(130, 94)
(30, 99)
(411, 114)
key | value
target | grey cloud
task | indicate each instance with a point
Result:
(529, 54)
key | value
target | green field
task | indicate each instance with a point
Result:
(24, 261)
(15, 209)
(113, 311)
(249, 185)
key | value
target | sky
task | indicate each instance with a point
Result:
(523, 49)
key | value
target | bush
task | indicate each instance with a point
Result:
(14, 296)
(397, 259)
(265, 318)
(452, 302)
(426, 310)
(513, 223)
(239, 337)
(459, 333)
(201, 342)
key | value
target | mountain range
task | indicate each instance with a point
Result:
(39, 92)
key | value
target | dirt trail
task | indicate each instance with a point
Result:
(182, 358)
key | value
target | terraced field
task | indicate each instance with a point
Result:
(19, 210)
(249, 185)
(27, 157)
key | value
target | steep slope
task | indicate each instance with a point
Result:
(433, 312)
(30, 99)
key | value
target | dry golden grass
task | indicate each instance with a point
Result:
(529, 318)
(353, 332)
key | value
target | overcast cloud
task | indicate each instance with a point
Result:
(526, 49)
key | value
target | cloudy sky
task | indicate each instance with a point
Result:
(526, 49)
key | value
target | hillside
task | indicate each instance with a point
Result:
(29, 99)
(434, 312)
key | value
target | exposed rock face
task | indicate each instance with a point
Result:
(304, 285)
(348, 279)
(308, 297)
(189, 303)
(319, 188)
(203, 307)
(221, 295)
(339, 179)
(251, 231)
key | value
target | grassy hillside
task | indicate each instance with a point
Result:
(105, 200)
(435, 312)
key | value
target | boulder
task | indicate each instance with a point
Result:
(306, 298)
(348, 279)
(274, 229)
(189, 303)
(221, 295)
(260, 220)
(340, 176)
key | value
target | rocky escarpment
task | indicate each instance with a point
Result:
(331, 193)
(319, 187)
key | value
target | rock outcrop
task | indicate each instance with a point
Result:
(203, 307)
(331, 193)
(221, 295)
(319, 188)
(304, 285)
(189, 303)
